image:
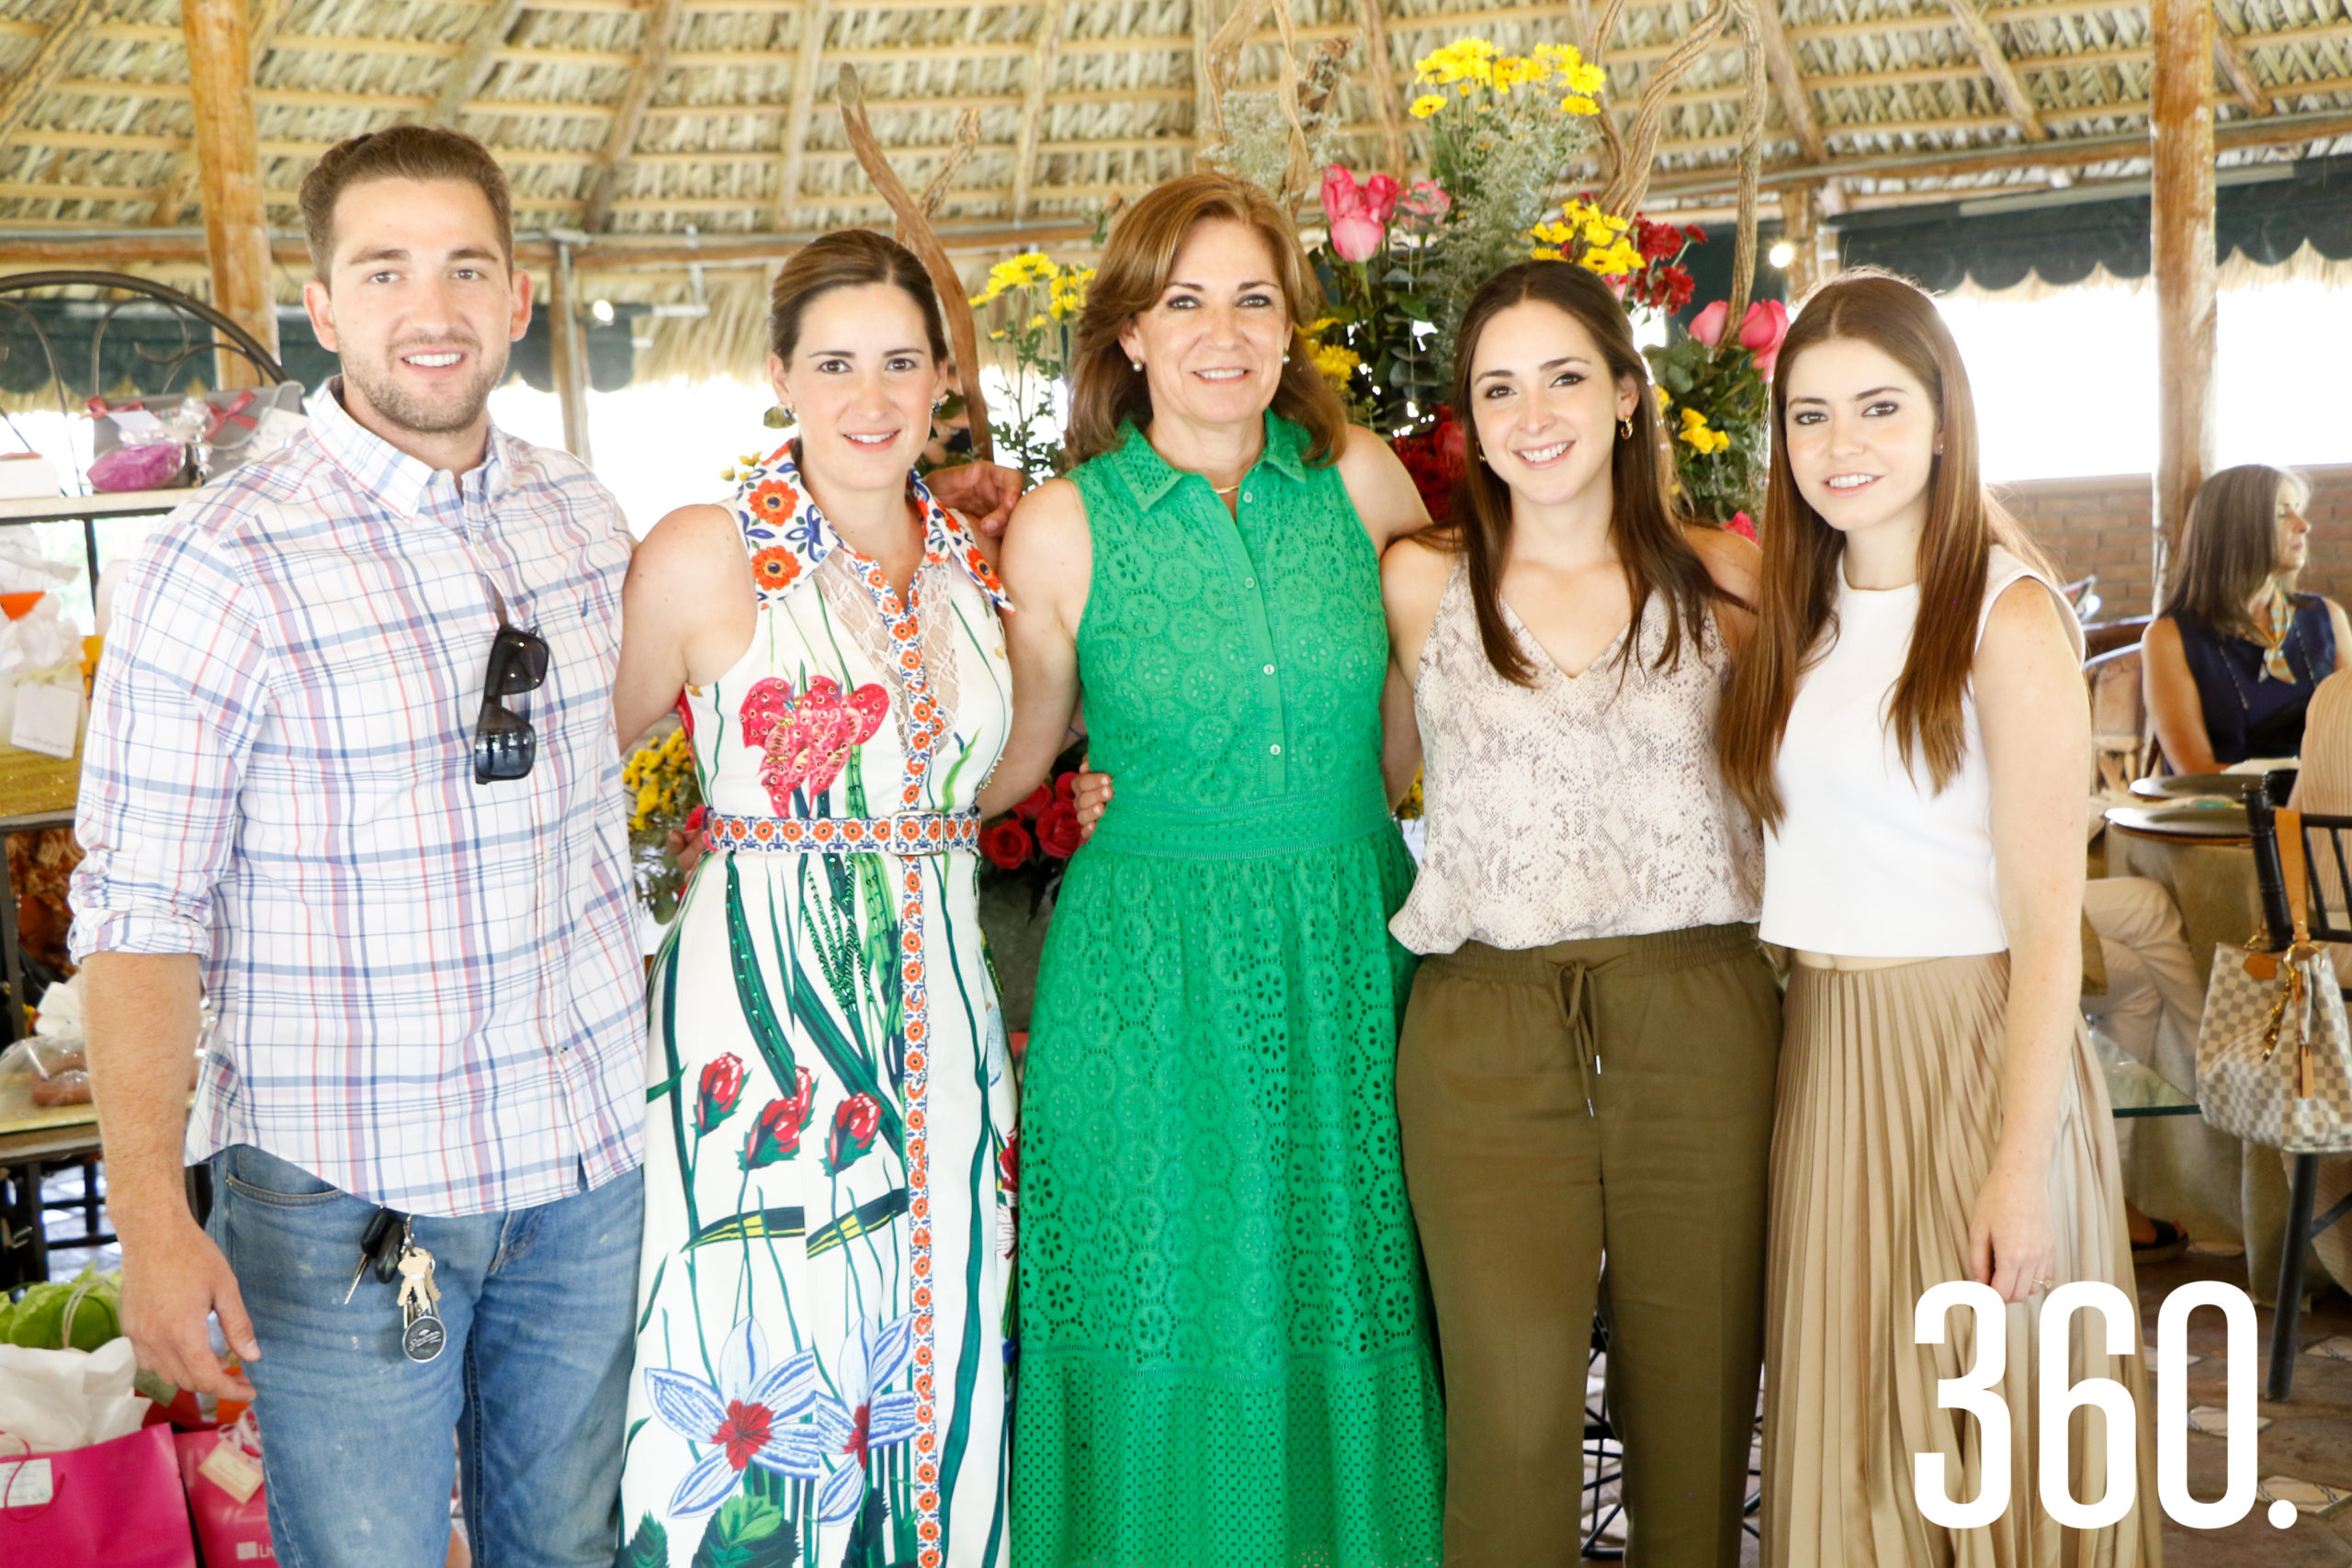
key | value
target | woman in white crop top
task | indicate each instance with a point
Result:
(1910, 727)
(1588, 1053)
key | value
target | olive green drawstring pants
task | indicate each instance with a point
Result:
(1559, 1103)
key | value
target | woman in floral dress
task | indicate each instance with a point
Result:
(821, 1364)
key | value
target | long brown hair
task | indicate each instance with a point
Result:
(1645, 525)
(2228, 548)
(1137, 260)
(1803, 554)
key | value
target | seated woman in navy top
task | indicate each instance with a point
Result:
(2231, 663)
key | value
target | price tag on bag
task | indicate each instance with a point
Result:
(47, 718)
(233, 1470)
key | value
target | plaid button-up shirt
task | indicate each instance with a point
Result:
(427, 991)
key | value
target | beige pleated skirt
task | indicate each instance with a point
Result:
(1889, 1092)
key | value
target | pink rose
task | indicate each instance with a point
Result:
(1742, 524)
(1348, 208)
(1760, 332)
(1707, 326)
(1380, 198)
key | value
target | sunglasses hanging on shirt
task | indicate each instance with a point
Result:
(505, 744)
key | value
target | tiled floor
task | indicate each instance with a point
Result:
(2309, 1436)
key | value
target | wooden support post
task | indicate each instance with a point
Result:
(180, 183)
(1801, 227)
(2181, 247)
(236, 228)
(567, 353)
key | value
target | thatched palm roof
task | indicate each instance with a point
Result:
(639, 117)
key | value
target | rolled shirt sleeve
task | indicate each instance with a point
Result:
(181, 690)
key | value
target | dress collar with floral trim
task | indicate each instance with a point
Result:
(789, 538)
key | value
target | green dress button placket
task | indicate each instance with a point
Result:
(1247, 571)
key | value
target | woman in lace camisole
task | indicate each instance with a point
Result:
(1588, 1055)
(825, 1288)
(1909, 725)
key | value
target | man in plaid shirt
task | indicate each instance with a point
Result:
(425, 988)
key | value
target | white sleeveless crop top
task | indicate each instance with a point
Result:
(1868, 861)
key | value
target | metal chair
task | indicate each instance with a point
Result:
(2262, 800)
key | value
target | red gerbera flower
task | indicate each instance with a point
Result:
(775, 567)
(773, 499)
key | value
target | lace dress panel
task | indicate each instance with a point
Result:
(853, 611)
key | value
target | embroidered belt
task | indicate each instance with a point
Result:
(909, 833)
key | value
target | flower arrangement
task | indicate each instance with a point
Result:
(1035, 303)
(1035, 840)
(1718, 407)
(1401, 262)
(1640, 260)
(665, 796)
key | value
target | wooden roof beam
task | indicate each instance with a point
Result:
(652, 64)
(814, 13)
(1979, 33)
(64, 39)
(1033, 106)
(1788, 80)
(471, 71)
(2237, 73)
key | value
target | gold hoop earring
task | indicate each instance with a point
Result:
(1624, 427)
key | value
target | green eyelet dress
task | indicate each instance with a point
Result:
(1225, 1350)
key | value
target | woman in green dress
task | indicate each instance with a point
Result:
(1224, 1330)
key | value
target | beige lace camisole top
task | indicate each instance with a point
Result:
(1584, 807)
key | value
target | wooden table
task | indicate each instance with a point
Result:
(31, 1140)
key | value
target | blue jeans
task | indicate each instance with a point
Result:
(355, 1436)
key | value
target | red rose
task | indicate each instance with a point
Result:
(1007, 844)
(696, 818)
(1057, 831)
(1742, 524)
(1066, 787)
(1036, 801)
(721, 1088)
(1007, 1165)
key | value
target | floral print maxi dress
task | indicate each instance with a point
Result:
(821, 1365)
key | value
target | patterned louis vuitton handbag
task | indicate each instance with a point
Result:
(2274, 1055)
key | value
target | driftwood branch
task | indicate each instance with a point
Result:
(1629, 180)
(1751, 169)
(961, 146)
(915, 232)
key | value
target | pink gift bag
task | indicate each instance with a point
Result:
(222, 1471)
(117, 1505)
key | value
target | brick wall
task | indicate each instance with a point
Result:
(2101, 525)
